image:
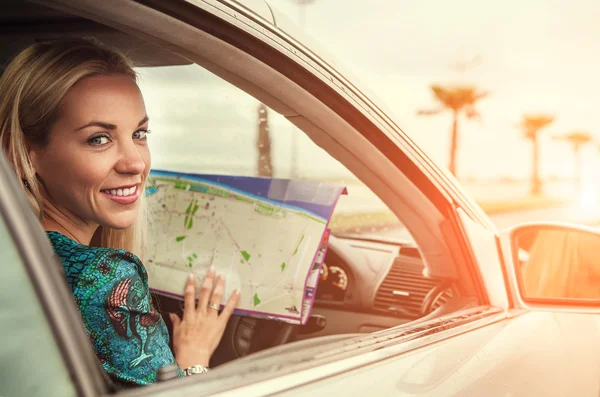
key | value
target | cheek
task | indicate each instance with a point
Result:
(70, 176)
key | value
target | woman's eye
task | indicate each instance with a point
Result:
(98, 140)
(140, 134)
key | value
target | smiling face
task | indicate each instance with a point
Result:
(97, 159)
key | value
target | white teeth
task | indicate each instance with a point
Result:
(122, 192)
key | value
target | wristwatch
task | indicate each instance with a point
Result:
(195, 369)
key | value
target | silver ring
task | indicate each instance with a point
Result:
(213, 306)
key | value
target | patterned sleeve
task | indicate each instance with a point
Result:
(129, 335)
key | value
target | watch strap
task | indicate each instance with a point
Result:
(195, 370)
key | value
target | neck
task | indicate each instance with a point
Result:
(67, 224)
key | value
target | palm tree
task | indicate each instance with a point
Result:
(577, 139)
(457, 99)
(263, 143)
(531, 125)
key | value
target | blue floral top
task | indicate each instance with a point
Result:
(110, 287)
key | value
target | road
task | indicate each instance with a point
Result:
(570, 214)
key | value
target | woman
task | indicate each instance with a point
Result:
(73, 124)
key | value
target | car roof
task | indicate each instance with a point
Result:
(23, 24)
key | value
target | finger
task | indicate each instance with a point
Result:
(230, 306)
(175, 320)
(207, 286)
(189, 296)
(217, 295)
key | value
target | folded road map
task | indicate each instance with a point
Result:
(266, 236)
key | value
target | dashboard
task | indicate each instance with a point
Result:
(365, 286)
(333, 281)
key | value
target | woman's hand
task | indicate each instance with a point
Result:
(197, 335)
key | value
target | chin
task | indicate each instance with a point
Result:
(120, 223)
(119, 226)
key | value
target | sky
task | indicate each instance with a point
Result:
(535, 57)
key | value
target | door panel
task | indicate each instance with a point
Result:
(30, 361)
(537, 353)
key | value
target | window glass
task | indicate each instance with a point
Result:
(30, 362)
(203, 124)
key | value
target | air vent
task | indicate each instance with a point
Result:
(442, 298)
(403, 290)
(412, 252)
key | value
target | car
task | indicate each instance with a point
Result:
(441, 310)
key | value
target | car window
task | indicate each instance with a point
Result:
(203, 124)
(30, 362)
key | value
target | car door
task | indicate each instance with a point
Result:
(528, 355)
(44, 350)
(474, 358)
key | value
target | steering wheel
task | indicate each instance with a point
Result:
(245, 335)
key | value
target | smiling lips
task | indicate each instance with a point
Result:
(126, 195)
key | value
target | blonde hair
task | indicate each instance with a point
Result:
(31, 91)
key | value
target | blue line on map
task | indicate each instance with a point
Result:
(322, 212)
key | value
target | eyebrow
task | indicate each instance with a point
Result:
(107, 126)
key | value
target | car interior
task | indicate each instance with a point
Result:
(368, 284)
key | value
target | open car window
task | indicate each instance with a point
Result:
(203, 124)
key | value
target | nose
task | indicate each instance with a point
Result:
(131, 160)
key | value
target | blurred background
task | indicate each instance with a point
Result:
(501, 93)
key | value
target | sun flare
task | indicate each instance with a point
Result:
(588, 198)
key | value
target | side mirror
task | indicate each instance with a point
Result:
(557, 263)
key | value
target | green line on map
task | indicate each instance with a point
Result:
(247, 200)
(189, 212)
(256, 300)
(298, 246)
(179, 238)
(246, 255)
(178, 184)
(283, 266)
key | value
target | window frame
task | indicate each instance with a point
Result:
(44, 270)
(245, 33)
(362, 123)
